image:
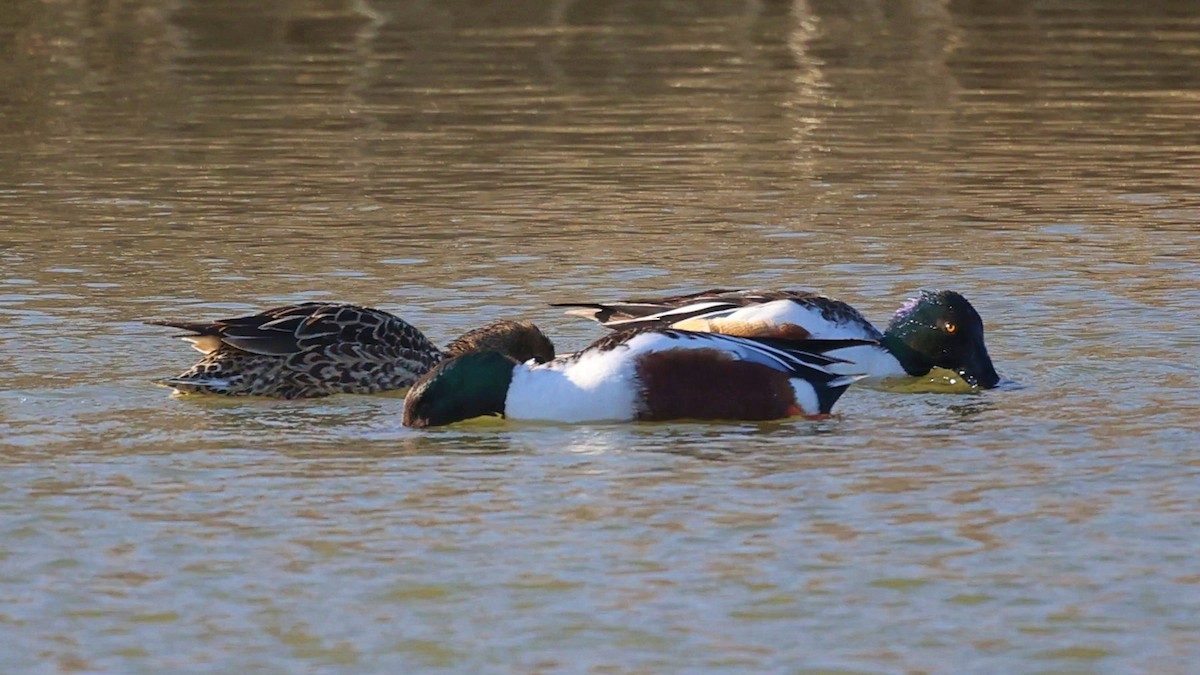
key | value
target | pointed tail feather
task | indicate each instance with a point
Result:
(195, 386)
(846, 380)
(588, 310)
(191, 326)
(828, 393)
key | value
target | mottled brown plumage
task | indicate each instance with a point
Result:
(316, 349)
(519, 339)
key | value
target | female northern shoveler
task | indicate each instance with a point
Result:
(936, 329)
(651, 373)
(318, 348)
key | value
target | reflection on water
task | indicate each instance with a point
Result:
(458, 161)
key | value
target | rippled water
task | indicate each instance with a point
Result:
(458, 161)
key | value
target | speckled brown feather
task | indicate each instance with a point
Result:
(316, 349)
(519, 339)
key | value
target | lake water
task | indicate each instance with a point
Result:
(458, 161)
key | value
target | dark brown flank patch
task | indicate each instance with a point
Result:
(709, 384)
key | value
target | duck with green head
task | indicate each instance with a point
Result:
(936, 329)
(648, 374)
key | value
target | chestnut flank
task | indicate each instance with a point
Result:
(711, 385)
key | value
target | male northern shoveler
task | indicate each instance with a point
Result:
(935, 329)
(315, 349)
(650, 373)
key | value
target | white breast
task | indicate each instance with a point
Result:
(598, 386)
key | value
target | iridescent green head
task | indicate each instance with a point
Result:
(941, 329)
(459, 388)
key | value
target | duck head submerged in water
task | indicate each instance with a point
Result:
(641, 374)
(935, 329)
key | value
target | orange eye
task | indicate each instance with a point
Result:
(951, 328)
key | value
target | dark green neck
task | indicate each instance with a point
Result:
(460, 388)
(484, 391)
(913, 362)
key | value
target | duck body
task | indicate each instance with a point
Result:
(315, 349)
(643, 374)
(935, 329)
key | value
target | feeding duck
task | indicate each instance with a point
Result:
(315, 349)
(935, 329)
(650, 373)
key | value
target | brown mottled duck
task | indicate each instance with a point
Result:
(316, 349)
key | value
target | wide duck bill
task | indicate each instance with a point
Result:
(977, 368)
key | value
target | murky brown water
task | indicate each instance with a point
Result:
(455, 161)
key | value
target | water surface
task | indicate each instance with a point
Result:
(456, 162)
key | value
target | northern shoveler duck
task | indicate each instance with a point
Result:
(935, 329)
(649, 373)
(315, 349)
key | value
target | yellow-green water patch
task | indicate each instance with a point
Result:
(1080, 652)
(900, 584)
